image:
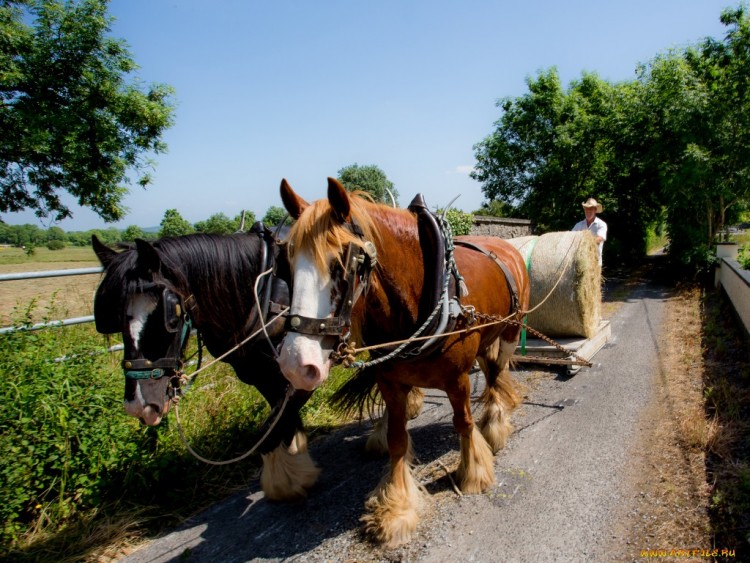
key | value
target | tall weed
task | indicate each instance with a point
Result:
(60, 433)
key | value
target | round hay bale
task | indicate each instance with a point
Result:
(565, 274)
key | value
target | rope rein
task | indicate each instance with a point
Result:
(262, 328)
(188, 381)
(289, 392)
(347, 352)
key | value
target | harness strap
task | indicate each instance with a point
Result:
(526, 317)
(141, 364)
(514, 301)
(310, 325)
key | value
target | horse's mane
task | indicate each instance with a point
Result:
(219, 268)
(320, 234)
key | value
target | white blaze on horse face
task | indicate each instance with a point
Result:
(303, 360)
(138, 311)
(148, 403)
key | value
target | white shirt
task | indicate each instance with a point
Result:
(598, 228)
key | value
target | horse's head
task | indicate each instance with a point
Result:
(331, 256)
(138, 297)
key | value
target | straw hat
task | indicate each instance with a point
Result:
(591, 202)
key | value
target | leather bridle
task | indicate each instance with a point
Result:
(358, 264)
(177, 322)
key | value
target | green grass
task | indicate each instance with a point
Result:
(44, 255)
(744, 251)
(79, 475)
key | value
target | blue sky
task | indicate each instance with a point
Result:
(297, 89)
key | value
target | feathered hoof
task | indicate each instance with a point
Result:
(377, 441)
(414, 402)
(287, 476)
(476, 472)
(393, 513)
(495, 428)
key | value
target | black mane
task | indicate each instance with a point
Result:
(218, 270)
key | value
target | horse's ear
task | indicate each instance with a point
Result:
(339, 200)
(148, 257)
(293, 203)
(103, 252)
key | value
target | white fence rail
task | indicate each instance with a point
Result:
(49, 274)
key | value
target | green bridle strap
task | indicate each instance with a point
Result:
(144, 373)
(158, 372)
(526, 317)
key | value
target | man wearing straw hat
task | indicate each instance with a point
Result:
(592, 223)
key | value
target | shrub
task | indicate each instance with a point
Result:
(55, 245)
(460, 221)
(743, 257)
(60, 432)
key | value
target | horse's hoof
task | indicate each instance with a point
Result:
(287, 477)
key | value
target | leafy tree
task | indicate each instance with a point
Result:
(25, 235)
(132, 232)
(275, 215)
(370, 179)
(70, 120)
(173, 225)
(243, 225)
(496, 208)
(218, 224)
(80, 238)
(56, 233)
(698, 103)
(107, 236)
(6, 233)
(553, 148)
(549, 150)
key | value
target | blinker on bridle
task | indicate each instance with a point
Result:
(176, 322)
(358, 264)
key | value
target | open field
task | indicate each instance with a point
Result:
(54, 298)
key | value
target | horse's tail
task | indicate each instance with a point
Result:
(359, 395)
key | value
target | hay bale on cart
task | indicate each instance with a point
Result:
(566, 279)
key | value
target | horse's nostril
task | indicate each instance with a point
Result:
(309, 377)
(151, 415)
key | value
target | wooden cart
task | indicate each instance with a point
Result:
(540, 352)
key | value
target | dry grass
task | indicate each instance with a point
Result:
(100, 536)
(669, 471)
(72, 295)
(691, 468)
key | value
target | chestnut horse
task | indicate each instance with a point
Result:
(357, 271)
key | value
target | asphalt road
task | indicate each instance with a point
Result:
(562, 483)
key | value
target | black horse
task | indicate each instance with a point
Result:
(153, 294)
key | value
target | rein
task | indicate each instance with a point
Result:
(187, 381)
(262, 329)
(287, 395)
(345, 354)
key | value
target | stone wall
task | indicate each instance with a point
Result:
(501, 227)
